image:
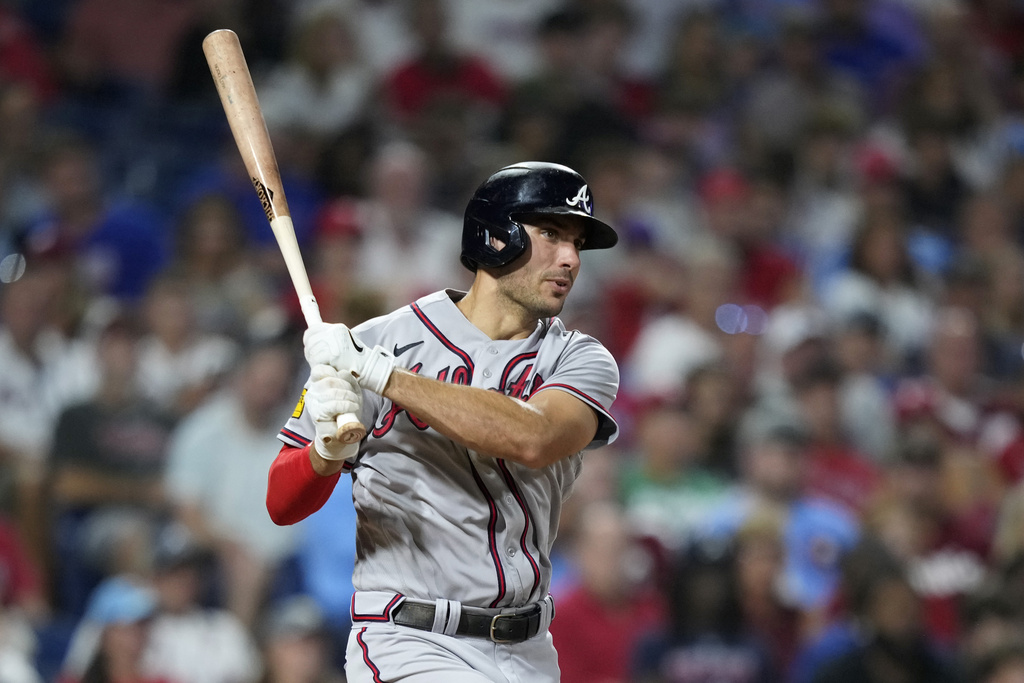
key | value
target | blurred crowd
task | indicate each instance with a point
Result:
(817, 306)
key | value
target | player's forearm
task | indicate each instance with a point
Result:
(486, 421)
(295, 490)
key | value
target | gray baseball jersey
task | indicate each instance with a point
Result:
(436, 519)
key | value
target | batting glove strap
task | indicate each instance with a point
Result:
(377, 366)
(336, 450)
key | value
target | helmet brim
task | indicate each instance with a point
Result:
(597, 233)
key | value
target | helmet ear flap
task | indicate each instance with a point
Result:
(490, 244)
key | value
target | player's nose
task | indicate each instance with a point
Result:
(568, 255)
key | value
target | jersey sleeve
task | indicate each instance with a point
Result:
(587, 371)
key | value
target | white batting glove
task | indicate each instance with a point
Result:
(330, 394)
(335, 345)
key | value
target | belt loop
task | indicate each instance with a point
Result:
(440, 615)
(447, 614)
(547, 613)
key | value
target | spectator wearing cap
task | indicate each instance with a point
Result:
(294, 641)
(768, 277)
(109, 642)
(816, 533)
(188, 640)
(795, 338)
(342, 297)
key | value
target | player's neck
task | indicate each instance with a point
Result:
(496, 321)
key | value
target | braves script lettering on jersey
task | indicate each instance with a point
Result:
(437, 520)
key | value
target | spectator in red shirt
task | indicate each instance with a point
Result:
(836, 470)
(730, 202)
(438, 70)
(600, 622)
(21, 584)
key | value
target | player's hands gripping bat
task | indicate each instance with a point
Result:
(335, 345)
(238, 96)
(332, 393)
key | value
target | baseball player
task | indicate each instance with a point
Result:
(478, 406)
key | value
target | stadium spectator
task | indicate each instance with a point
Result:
(122, 43)
(323, 86)
(117, 245)
(817, 533)
(189, 641)
(838, 472)
(295, 649)
(228, 292)
(216, 478)
(601, 621)
(896, 647)
(107, 466)
(111, 639)
(667, 491)
(406, 242)
(706, 637)
(438, 69)
(882, 280)
(179, 366)
(671, 346)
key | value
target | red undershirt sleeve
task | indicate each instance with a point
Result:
(294, 490)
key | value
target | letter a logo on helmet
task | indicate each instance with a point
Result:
(493, 232)
(582, 199)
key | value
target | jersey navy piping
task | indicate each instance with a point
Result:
(589, 399)
(385, 616)
(529, 519)
(444, 340)
(297, 437)
(492, 540)
(366, 656)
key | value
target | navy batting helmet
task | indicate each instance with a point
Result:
(527, 188)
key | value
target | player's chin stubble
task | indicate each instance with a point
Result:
(528, 294)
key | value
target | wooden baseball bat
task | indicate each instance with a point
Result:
(238, 96)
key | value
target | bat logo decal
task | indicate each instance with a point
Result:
(266, 197)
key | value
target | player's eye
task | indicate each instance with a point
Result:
(578, 244)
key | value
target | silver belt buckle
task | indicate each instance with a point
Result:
(494, 621)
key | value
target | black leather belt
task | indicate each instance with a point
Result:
(499, 628)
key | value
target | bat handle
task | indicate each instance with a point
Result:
(350, 429)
